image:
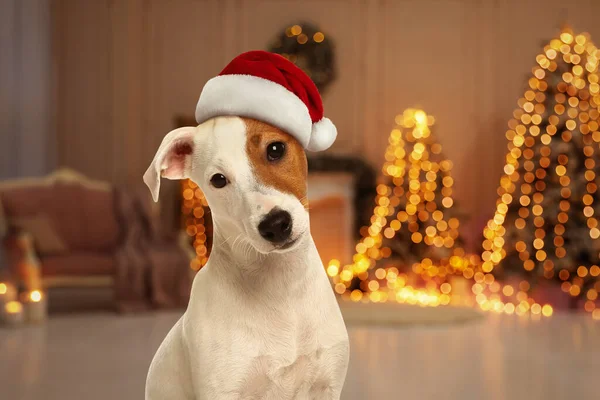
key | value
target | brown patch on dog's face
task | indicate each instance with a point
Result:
(289, 173)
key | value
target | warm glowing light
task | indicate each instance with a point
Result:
(420, 117)
(538, 159)
(13, 307)
(194, 217)
(508, 290)
(415, 206)
(35, 296)
(332, 270)
(3, 288)
(302, 38)
(547, 310)
(445, 288)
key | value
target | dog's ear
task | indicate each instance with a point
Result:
(173, 160)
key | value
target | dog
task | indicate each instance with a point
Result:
(262, 320)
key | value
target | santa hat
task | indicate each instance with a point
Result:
(268, 87)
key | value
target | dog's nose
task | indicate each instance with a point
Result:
(276, 226)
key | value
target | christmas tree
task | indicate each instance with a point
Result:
(546, 220)
(413, 235)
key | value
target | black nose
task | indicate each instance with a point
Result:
(276, 226)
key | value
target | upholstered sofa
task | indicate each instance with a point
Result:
(91, 234)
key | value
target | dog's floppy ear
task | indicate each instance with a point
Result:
(173, 160)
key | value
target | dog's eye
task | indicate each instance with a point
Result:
(218, 180)
(275, 151)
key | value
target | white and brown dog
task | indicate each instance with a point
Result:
(262, 321)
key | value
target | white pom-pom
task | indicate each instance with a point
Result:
(322, 136)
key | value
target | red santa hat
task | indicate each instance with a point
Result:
(268, 87)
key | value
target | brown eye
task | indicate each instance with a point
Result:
(275, 151)
(218, 180)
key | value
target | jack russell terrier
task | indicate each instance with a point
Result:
(262, 320)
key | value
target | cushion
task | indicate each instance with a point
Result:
(79, 264)
(86, 216)
(99, 218)
(45, 237)
(83, 215)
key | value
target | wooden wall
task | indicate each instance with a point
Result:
(124, 69)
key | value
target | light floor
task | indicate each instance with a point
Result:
(103, 356)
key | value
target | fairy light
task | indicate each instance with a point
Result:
(301, 37)
(13, 307)
(420, 183)
(413, 164)
(35, 296)
(310, 49)
(415, 168)
(532, 164)
(193, 210)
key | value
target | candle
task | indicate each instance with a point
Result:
(7, 293)
(13, 314)
(29, 266)
(36, 306)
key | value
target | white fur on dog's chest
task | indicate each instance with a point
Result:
(268, 336)
(252, 367)
(247, 350)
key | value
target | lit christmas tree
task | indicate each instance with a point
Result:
(546, 221)
(413, 234)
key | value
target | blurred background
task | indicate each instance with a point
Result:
(455, 214)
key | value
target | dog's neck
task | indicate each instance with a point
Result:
(279, 274)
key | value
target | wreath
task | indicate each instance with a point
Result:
(310, 49)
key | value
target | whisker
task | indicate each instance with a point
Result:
(248, 249)
(235, 240)
(226, 240)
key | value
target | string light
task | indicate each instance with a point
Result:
(415, 167)
(301, 37)
(557, 115)
(193, 210)
(35, 296)
(13, 307)
(308, 47)
(318, 37)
